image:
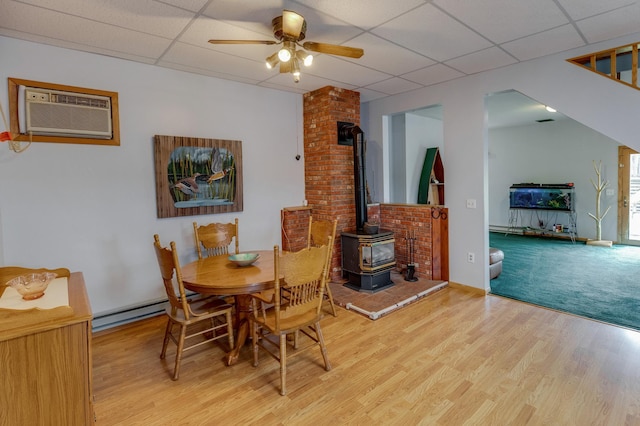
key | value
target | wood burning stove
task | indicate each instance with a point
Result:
(367, 260)
(367, 257)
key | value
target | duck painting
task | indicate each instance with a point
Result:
(188, 185)
(216, 166)
(201, 176)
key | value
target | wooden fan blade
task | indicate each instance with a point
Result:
(243, 42)
(292, 24)
(333, 49)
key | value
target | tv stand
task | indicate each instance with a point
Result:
(517, 220)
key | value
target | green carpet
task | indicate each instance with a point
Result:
(602, 283)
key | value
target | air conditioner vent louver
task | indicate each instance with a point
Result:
(58, 113)
(79, 100)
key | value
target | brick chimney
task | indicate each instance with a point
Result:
(329, 182)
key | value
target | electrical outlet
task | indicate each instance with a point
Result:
(471, 257)
(471, 203)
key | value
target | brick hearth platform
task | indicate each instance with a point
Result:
(382, 303)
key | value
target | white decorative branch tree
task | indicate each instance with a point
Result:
(599, 187)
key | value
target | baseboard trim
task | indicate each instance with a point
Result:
(128, 314)
(468, 288)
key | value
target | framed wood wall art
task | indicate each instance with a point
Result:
(196, 176)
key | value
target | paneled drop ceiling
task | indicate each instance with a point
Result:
(408, 44)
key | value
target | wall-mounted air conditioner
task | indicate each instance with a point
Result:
(60, 113)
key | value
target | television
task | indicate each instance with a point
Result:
(537, 196)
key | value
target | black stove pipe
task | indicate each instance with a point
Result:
(359, 177)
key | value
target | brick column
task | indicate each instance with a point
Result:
(329, 182)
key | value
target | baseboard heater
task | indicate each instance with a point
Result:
(505, 229)
(128, 314)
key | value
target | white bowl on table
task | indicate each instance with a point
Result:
(244, 259)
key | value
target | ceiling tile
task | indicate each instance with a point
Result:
(340, 70)
(433, 74)
(384, 56)
(483, 60)
(203, 29)
(505, 20)
(205, 59)
(210, 73)
(147, 16)
(580, 9)
(613, 24)
(364, 14)
(367, 95)
(429, 31)
(67, 28)
(251, 15)
(192, 5)
(394, 86)
(549, 42)
(307, 82)
(257, 16)
(76, 46)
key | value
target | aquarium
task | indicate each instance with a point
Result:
(542, 196)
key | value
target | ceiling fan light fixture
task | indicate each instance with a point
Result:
(284, 55)
(295, 68)
(288, 50)
(272, 61)
(289, 30)
(306, 58)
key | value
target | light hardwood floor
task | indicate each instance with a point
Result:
(452, 358)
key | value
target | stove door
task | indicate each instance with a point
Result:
(378, 255)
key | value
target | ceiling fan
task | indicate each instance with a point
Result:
(290, 29)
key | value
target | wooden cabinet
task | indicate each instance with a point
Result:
(431, 186)
(45, 367)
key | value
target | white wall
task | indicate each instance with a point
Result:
(606, 106)
(397, 159)
(410, 137)
(93, 208)
(555, 152)
(422, 133)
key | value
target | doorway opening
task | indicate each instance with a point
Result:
(411, 133)
(629, 196)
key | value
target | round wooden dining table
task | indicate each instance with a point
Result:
(217, 275)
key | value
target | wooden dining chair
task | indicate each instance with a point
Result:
(319, 231)
(214, 239)
(295, 307)
(184, 312)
